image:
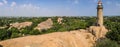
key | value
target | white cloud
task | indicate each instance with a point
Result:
(108, 2)
(34, 10)
(28, 6)
(25, 10)
(73, 1)
(95, 1)
(118, 5)
(1, 4)
(5, 1)
(13, 4)
(76, 1)
(29, 9)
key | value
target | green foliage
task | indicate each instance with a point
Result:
(34, 32)
(29, 31)
(25, 31)
(106, 43)
(15, 33)
(114, 33)
(4, 34)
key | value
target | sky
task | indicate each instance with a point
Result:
(57, 7)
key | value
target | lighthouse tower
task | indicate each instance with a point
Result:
(99, 30)
(100, 13)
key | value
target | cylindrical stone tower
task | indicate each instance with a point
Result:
(100, 13)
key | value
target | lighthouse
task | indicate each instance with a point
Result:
(100, 13)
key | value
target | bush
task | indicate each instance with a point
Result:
(113, 35)
(34, 32)
(14, 32)
(4, 34)
(106, 43)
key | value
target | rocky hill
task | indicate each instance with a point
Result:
(76, 38)
(44, 25)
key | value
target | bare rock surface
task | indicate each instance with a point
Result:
(45, 25)
(98, 31)
(76, 38)
(59, 20)
(20, 25)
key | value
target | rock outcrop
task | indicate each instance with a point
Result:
(59, 20)
(98, 31)
(20, 25)
(44, 25)
(76, 38)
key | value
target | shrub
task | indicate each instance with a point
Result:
(113, 35)
(106, 43)
(34, 32)
(14, 32)
(4, 34)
